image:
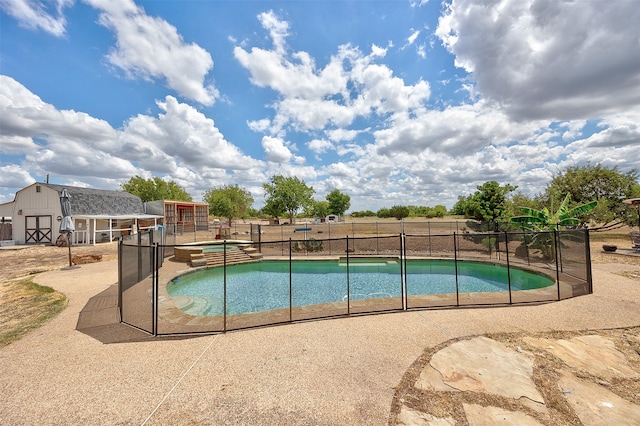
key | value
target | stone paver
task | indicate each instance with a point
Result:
(484, 365)
(480, 416)
(595, 405)
(594, 354)
(409, 417)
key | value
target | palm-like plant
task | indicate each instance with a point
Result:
(543, 222)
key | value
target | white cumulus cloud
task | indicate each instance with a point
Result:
(47, 16)
(151, 47)
(547, 58)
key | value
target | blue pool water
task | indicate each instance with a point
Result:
(264, 286)
(218, 247)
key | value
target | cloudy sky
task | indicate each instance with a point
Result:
(391, 102)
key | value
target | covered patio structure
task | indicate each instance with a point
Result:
(103, 228)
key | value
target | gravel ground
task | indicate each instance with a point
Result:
(344, 371)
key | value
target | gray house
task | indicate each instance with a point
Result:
(98, 215)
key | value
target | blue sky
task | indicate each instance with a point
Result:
(391, 102)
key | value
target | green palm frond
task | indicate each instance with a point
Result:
(563, 209)
(563, 216)
(582, 209)
(530, 216)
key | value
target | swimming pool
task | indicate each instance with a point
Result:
(270, 285)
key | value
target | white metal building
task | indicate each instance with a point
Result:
(98, 215)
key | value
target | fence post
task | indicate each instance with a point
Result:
(139, 255)
(348, 286)
(403, 270)
(151, 243)
(224, 286)
(290, 283)
(155, 279)
(559, 249)
(506, 243)
(555, 251)
(455, 262)
(120, 241)
(587, 257)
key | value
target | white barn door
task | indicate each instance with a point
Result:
(38, 229)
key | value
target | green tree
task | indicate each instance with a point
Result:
(488, 203)
(363, 213)
(383, 213)
(418, 211)
(437, 211)
(607, 186)
(399, 212)
(286, 195)
(460, 206)
(519, 199)
(228, 201)
(317, 209)
(155, 189)
(338, 202)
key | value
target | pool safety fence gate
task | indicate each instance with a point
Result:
(147, 267)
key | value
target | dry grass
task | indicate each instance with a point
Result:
(25, 306)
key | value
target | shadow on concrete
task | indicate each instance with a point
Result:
(99, 319)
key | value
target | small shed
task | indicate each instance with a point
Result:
(180, 216)
(331, 218)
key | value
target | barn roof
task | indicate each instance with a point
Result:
(88, 201)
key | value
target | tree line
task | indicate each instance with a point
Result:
(601, 188)
(594, 192)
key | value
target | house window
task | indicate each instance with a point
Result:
(38, 188)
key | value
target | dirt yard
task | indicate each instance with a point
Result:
(19, 262)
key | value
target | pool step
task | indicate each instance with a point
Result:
(234, 256)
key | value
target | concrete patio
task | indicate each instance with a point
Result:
(341, 371)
